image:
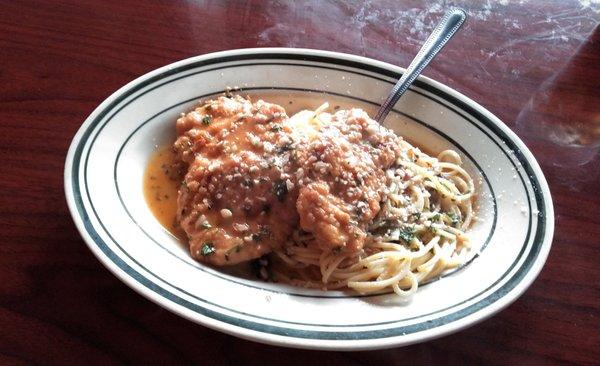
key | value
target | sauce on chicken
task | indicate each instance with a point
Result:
(234, 200)
(252, 175)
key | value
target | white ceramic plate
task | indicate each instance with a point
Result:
(103, 184)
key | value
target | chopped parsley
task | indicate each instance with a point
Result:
(276, 128)
(285, 147)
(206, 120)
(361, 210)
(453, 218)
(435, 217)
(280, 190)
(262, 233)
(205, 225)
(407, 234)
(207, 249)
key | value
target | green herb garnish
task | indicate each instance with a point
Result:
(207, 249)
(280, 190)
(205, 225)
(285, 147)
(206, 120)
(407, 234)
(453, 218)
(361, 210)
(262, 233)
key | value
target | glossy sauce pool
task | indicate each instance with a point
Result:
(160, 190)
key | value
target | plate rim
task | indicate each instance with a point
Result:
(312, 343)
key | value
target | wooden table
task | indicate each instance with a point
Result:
(535, 64)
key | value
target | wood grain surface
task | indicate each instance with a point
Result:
(535, 64)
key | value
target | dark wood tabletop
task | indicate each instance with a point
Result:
(534, 64)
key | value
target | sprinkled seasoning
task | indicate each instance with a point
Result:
(226, 213)
(240, 227)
